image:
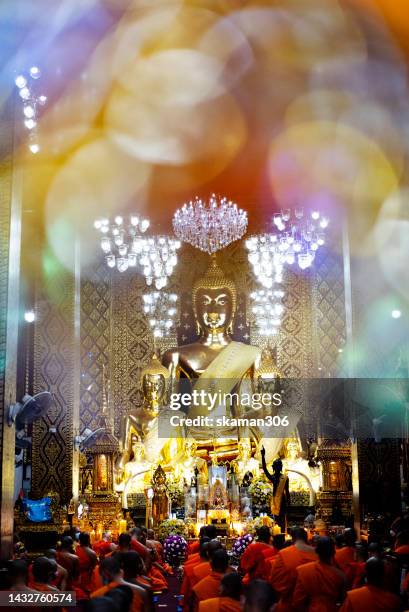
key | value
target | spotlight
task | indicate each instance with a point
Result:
(29, 316)
(396, 314)
(34, 148)
(20, 81)
(35, 72)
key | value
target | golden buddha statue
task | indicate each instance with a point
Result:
(245, 462)
(185, 465)
(144, 424)
(300, 476)
(214, 363)
(137, 472)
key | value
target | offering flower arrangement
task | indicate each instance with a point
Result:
(260, 521)
(261, 492)
(175, 493)
(240, 545)
(174, 550)
(171, 527)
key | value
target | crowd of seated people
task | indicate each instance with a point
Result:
(318, 575)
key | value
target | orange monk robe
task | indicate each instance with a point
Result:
(318, 587)
(402, 550)
(284, 574)
(195, 558)
(200, 571)
(86, 569)
(344, 559)
(137, 601)
(193, 547)
(187, 582)
(220, 604)
(358, 574)
(253, 563)
(157, 579)
(207, 588)
(371, 599)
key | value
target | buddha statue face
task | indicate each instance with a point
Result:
(153, 387)
(292, 450)
(214, 301)
(138, 450)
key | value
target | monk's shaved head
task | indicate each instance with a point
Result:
(230, 586)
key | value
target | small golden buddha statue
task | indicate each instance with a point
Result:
(137, 472)
(301, 477)
(187, 464)
(245, 462)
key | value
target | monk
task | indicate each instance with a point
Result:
(320, 585)
(357, 577)
(229, 599)
(345, 556)
(372, 597)
(259, 597)
(201, 570)
(135, 573)
(252, 562)
(210, 586)
(69, 561)
(18, 575)
(112, 577)
(402, 544)
(192, 561)
(283, 573)
(87, 562)
(61, 577)
(43, 572)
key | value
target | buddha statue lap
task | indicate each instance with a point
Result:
(301, 477)
(245, 463)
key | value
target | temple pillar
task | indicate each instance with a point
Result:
(10, 247)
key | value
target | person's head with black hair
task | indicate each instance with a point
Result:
(110, 569)
(211, 532)
(219, 561)
(299, 534)
(325, 549)
(102, 604)
(18, 572)
(349, 536)
(375, 550)
(51, 553)
(132, 565)
(361, 553)
(122, 597)
(374, 572)
(264, 534)
(67, 544)
(230, 586)
(279, 541)
(84, 539)
(203, 550)
(259, 597)
(44, 570)
(124, 541)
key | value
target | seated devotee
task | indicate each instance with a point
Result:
(402, 543)
(345, 556)
(112, 577)
(62, 575)
(105, 546)
(116, 600)
(229, 599)
(210, 586)
(283, 572)
(68, 560)
(252, 562)
(319, 586)
(259, 597)
(43, 573)
(357, 576)
(191, 563)
(134, 573)
(201, 570)
(124, 543)
(87, 562)
(372, 597)
(18, 576)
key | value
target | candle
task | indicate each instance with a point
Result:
(276, 529)
(92, 536)
(122, 526)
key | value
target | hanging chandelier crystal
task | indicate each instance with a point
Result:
(266, 260)
(210, 225)
(266, 310)
(125, 246)
(28, 91)
(162, 310)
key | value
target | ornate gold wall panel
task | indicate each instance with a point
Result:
(54, 371)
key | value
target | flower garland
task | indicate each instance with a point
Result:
(261, 492)
(175, 493)
(174, 550)
(171, 527)
(258, 522)
(240, 545)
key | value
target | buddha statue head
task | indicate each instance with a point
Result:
(137, 448)
(292, 450)
(154, 379)
(214, 301)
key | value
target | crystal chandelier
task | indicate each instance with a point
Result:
(267, 310)
(125, 246)
(161, 308)
(210, 225)
(32, 100)
(265, 258)
(300, 236)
